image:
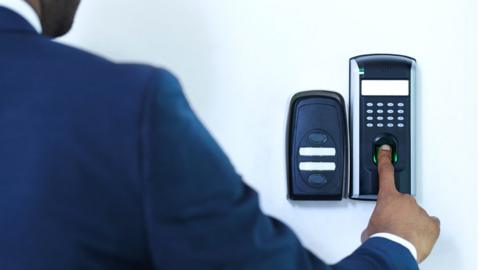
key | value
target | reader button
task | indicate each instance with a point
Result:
(317, 180)
(369, 118)
(389, 125)
(380, 118)
(380, 104)
(400, 104)
(390, 118)
(390, 104)
(318, 138)
(390, 111)
(379, 125)
(369, 125)
(400, 118)
(317, 166)
(316, 151)
(369, 111)
(379, 111)
(400, 111)
(400, 125)
(369, 104)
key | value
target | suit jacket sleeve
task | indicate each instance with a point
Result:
(198, 212)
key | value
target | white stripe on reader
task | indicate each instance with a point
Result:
(317, 151)
(317, 166)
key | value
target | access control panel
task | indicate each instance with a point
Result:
(317, 145)
(382, 111)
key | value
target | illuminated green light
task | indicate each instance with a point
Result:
(375, 160)
(361, 71)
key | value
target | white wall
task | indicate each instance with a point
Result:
(240, 61)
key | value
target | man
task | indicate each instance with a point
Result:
(105, 166)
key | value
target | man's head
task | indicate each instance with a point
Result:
(56, 16)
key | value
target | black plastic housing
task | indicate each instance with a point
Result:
(317, 119)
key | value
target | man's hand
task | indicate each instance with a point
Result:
(399, 214)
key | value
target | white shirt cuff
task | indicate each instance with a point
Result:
(398, 240)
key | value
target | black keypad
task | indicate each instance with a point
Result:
(385, 114)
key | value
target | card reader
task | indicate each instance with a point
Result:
(317, 146)
(382, 111)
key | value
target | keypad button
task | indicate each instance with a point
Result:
(401, 118)
(380, 118)
(390, 104)
(400, 111)
(369, 118)
(379, 111)
(369, 104)
(400, 104)
(389, 125)
(379, 125)
(369, 111)
(380, 104)
(390, 111)
(400, 125)
(390, 118)
(369, 125)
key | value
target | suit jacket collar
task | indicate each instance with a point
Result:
(13, 22)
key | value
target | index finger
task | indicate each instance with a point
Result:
(386, 171)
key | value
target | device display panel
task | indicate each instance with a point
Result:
(385, 87)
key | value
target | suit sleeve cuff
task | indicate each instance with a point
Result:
(399, 240)
(383, 254)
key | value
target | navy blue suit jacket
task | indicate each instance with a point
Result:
(105, 166)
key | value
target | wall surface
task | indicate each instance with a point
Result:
(240, 61)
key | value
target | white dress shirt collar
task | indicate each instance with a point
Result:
(22, 8)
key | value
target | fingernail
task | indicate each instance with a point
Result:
(386, 147)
